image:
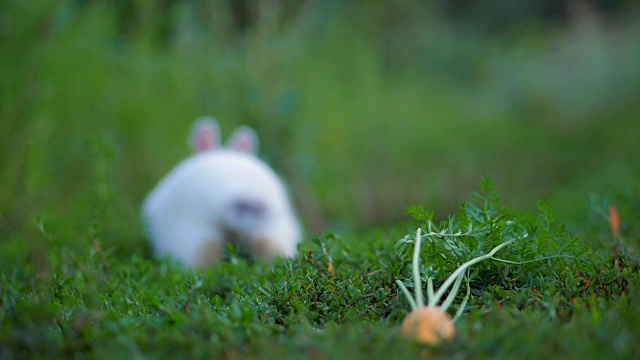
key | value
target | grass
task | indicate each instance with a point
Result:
(337, 298)
(365, 110)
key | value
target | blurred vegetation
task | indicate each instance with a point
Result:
(364, 107)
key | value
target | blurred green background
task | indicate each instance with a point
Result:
(364, 107)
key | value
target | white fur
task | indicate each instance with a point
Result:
(217, 196)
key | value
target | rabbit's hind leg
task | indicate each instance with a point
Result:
(208, 253)
(268, 249)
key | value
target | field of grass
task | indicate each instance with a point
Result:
(365, 109)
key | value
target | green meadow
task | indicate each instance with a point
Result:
(481, 121)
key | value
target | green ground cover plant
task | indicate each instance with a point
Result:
(337, 298)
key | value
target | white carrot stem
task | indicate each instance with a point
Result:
(430, 294)
(452, 294)
(417, 282)
(464, 302)
(406, 292)
(453, 277)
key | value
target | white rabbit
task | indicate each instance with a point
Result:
(220, 195)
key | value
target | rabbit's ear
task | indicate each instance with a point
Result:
(205, 135)
(244, 139)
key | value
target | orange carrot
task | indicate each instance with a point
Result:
(428, 325)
